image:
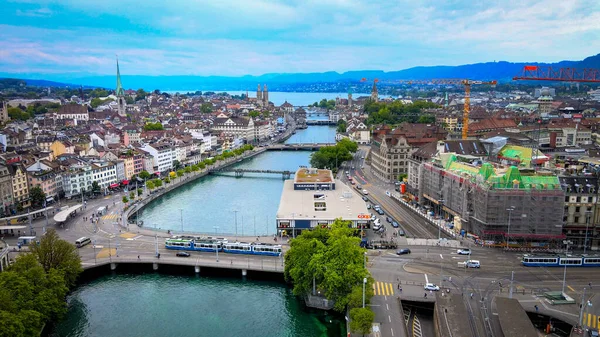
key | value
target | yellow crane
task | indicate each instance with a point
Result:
(465, 82)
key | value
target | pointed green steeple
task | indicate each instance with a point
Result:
(119, 90)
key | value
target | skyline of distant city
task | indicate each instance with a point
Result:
(70, 39)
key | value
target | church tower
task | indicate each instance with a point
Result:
(258, 95)
(265, 96)
(349, 99)
(120, 93)
(374, 94)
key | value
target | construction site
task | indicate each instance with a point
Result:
(503, 203)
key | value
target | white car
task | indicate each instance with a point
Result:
(463, 251)
(365, 192)
(431, 286)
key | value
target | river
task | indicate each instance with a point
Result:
(222, 200)
(174, 306)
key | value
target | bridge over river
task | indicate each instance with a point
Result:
(295, 147)
(239, 172)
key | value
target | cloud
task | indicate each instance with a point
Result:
(40, 12)
(235, 37)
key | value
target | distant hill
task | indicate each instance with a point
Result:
(501, 71)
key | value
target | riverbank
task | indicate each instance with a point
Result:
(179, 182)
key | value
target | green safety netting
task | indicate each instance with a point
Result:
(516, 153)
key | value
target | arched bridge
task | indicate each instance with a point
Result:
(239, 172)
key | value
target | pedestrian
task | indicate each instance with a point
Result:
(425, 295)
(400, 289)
(471, 295)
(138, 257)
(536, 308)
(590, 284)
(398, 286)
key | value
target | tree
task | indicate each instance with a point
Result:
(202, 165)
(125, 200)
(18, 114)
(96, 102)
(158, 182)
(176, 165)
(150, 185)
(172, 174)
(333, 259)
(342, 126)
(144, 175)
(254, 113)
(333, 156)
(54, 253)
(167, 180)
(206, 108)
(95, 187)
(140, 191)
(140, 94)
(187, 169)
(37, 195)
(361, 320)
(402, 176)
(153, 126)
(195, 168)
(132, 195)
(180, 173)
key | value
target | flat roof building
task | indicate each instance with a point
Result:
(315, 199)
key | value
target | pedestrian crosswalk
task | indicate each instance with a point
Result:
(110, 217)
(383, 288)
(592, 321)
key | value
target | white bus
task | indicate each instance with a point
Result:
(82, 242)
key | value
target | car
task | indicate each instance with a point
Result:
(183, 254)
(368, 206)
(380, 211)
(376, 207)
(353, 167)
(431, 286)
(463, 251)
(472, 264)
(365, 192)
(362, 157)
(593, 333)
(365, 198)
(388, 219)
(358, 187)
(395, 224)
(348, 173)
(401, 232)
(403, 251)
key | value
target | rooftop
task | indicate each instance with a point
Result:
(342, 202)
(312, 175)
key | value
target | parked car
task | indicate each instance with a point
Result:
(380, 211)
(365, 192)
(395, 224)
(463, 251)
(403, 251)
(388, 219)
(358, 187)
(183, 254)
(365, 198)
(401, 232)
(368, 206)
(431, 286)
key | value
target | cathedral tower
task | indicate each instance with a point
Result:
(265, 96)
(258, 95)
(374, 94)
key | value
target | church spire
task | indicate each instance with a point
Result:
(119, 90)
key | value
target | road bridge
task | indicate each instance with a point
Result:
(239, 172)
(316, 122)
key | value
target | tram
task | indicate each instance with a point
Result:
(207, 245)
(556, 260)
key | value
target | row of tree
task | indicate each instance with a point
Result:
(324, 104)
(34, 288)
(397, 112)
(330, 261)
(156, 183)
(333, 156)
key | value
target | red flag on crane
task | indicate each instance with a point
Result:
(530, 68)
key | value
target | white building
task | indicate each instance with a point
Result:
(235, 126)
(162, 154)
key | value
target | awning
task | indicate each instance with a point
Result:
(11, 227)
(62, 216)
(125, 182)
(113, 185)
(157, 173)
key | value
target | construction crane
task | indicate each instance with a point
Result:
(547, 73)
(451, 81)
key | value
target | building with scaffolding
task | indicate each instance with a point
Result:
(498, 204)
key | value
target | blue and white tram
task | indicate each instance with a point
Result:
(237, 248)
(207, 245)
(266, 249)
(179, 244)
(560, 261)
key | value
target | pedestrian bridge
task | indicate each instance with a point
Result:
(296, 147)
(239, 172)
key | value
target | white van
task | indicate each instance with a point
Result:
(472, 264)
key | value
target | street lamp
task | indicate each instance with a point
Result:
(510, 209)
(588, 303)
(181, 216)
(235, 212)
(217, 244)
(155, 240)
(587, 223)
(365, 260)
(440, 203)
(567, 243)
(364, 285)
(441, 270)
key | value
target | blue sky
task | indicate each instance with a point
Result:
(75, 38)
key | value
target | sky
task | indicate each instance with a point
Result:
(77, 38)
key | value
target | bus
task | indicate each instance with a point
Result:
(82, 242)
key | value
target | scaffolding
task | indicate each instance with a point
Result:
(485, 197)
